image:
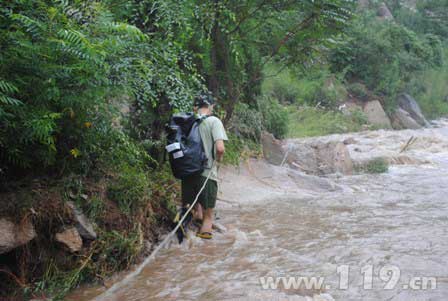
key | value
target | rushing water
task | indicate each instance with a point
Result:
(396, 219)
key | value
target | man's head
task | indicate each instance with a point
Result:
(204, 103)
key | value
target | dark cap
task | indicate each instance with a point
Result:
(204, 100)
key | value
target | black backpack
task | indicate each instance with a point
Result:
(184, 145)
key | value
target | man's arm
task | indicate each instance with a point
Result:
(220, 149)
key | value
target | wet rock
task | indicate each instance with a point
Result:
(71, 239)
(316, 158)
(334, 157)
(384, 12)
(303, 156)
(375, 114)
(408, 104)
(272, 148)
(349, 140)
(83, 225)
(403, 120)
(13, 235)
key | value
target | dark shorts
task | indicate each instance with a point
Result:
(191, 187)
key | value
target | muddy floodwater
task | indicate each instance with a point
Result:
(375, 237)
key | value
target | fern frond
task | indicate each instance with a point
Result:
(7, 88)
(75, 43)
(33, 27)
(73, 36)
(6, 100)
(125, 29)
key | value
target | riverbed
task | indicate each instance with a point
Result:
(360, 237)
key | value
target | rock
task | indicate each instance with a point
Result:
(272, 148)
(384, 12)
(408, 103)
(13, 235)
(334, 157)
(349, 140)
(70, 238)
(376, 115)
(83, 225)
(403, 120)
(317, 158)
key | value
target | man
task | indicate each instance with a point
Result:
(213, 136)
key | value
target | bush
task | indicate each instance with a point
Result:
(130, 189)
(377, 165)
(308, 122)
(275, 116)
(384, 56)
(246, 122)
(359, 91)
(310, 86)
(284, 86)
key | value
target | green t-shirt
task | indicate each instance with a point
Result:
(211, 129)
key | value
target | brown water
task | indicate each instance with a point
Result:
(399, 218)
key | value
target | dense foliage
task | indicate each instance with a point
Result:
(385, 56)
(69, 68)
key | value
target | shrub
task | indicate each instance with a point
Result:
(309, 86)
(359, 91)
(384, 56)
(284, 86)
(275, 116)
(308, 122)
(377, 165)
(130, 189)
(247, 122)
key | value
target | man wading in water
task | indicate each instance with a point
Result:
(213, 135)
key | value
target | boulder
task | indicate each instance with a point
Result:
(13, 235)
(303, 156)
(349, 140)
(334, 157)
(83, 225)
(384, 12)
(408, 103)
(71, 239)
(273, 150)
(403, 120)
(376, 115)
(317, 158)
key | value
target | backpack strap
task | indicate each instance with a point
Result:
(199, 120)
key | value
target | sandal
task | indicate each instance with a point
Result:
(204, 235)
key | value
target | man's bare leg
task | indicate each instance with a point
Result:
(207, 222)
(198, 213)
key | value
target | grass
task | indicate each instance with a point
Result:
(434, 99)
(308, 122)
(374, 166)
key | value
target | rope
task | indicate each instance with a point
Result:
(152, 256)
